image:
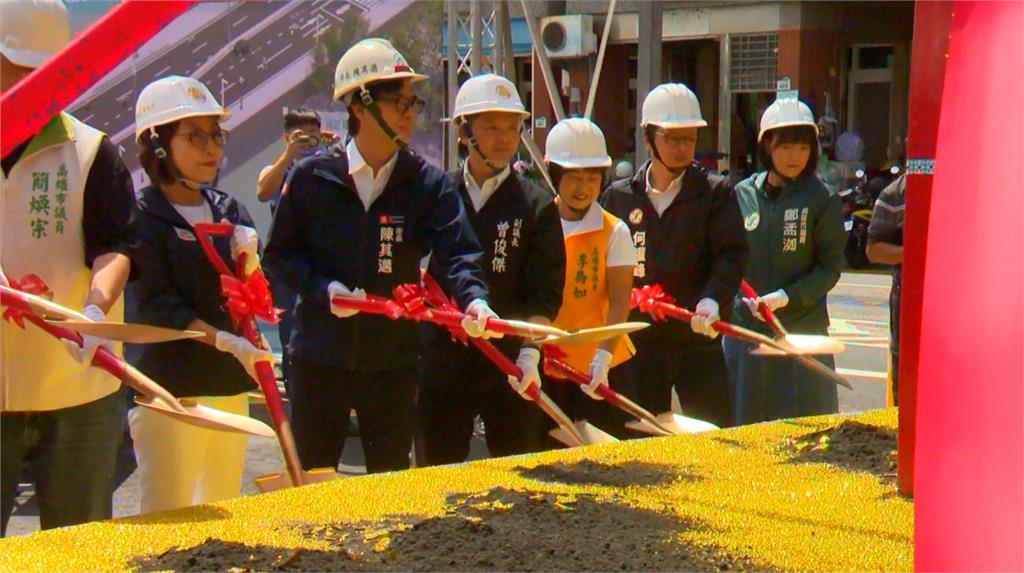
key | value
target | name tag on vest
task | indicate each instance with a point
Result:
(184, 234)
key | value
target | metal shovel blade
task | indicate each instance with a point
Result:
(125, 332)
(599, 334)
(274, 482)
(591, 435)
(211, 418)
(803, 344)
(676, 423)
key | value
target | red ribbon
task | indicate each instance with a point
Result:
(30, 284)
(248, 298)
(649, 299)
(416, 301)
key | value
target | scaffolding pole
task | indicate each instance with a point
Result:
(452, 157)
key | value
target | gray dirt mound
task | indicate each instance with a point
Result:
(851, 445)
(588, 472)
(500, 530)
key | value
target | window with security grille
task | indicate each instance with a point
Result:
(754, 62)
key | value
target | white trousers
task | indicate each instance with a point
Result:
(180, 464)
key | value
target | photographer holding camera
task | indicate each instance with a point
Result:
(302, 137)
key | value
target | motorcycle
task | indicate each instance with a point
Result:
(858, 204)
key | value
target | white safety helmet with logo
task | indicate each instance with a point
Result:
(785, 113)
(172, 99)
(671, 106)
(487, 92)
(32, 31)
(576, 143)
(371, 60)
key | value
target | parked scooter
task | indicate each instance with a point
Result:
(858, 204)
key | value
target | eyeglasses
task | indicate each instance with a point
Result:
(201, 139)
(403, 105)
(675, 139)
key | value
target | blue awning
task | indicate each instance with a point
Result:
(521, 44)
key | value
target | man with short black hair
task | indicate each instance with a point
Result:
(358, 220)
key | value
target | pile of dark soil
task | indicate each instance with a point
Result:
(500, 530)
(850, 445)
(587, 472)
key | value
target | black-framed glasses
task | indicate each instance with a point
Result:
(677, 139)
(201, 139)
(403, 104)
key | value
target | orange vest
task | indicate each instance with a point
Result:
(585, 295)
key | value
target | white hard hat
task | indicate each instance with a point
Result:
(368, 61)
(576, 143)
(785, 113)
(670, 106)
(31, 31)
(171, 99)
(623, 169)
(488, 92)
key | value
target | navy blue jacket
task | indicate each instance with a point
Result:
(176, 285)
(322, 233)
(696, 249)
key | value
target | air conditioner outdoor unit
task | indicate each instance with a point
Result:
(568, 36)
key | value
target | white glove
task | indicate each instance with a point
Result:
(337, 289)
(90, 344)
(527, 362)
(774, 301)
(478, 328)
(704, 315)
(599, 367)
(244, 240)
(244, 351)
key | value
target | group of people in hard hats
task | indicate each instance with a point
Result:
(358, 219)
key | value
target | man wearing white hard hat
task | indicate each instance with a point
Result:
(177, 127)
(67, 213)
(795, 231)
(599, 268)
(358, 220)
(524, 266)
(689, 237)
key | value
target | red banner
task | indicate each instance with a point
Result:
(969, 462)
(44, 93)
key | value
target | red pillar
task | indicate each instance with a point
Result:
(927, 70)
(969, 462)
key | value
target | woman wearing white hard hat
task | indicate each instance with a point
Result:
(796, 236)
(177, 125)
(524, 266)
(67, 211)
(688, 232)
(599, 267)
(355, 221)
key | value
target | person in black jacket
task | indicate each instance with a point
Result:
(689, 237)
(358, 220)
(524, 265)
(177, 126)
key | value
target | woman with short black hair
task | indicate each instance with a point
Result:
(796, 237)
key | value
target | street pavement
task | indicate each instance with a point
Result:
(859, 303)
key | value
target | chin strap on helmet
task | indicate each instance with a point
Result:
(367, 99)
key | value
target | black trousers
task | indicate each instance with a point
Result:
(698, 374)
(458, 383)
(579, 406)
(321, 397)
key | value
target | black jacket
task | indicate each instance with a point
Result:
(696, 249)
(322, 233)
(520, 220)
(176, 285)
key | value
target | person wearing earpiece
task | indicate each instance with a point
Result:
(177, 125)
(524, 266)
(795, 231)
(688, 233)
(356, 221)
